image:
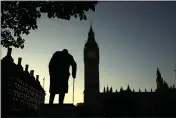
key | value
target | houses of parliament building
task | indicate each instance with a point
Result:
(161, 101)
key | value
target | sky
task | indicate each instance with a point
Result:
(134, 39)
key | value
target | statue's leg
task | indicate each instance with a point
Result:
(52, 95)
(61, 98)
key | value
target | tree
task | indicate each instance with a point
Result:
(19, 17)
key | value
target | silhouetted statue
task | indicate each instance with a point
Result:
(59, 74)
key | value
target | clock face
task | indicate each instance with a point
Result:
(91, 54)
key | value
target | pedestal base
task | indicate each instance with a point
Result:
(56, 110)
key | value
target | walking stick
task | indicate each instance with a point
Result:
(73, 88)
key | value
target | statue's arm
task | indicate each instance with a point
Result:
(74, 67)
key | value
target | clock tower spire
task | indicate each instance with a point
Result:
(91, 35)
(91, 69)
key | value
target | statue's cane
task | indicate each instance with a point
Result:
(73, 88)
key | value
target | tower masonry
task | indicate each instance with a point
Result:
(91, 70)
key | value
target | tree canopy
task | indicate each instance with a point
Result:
(19, 17)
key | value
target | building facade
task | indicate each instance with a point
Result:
(22, 93)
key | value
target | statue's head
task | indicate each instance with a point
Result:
(65, 51)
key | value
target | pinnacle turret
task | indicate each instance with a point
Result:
(91, 35)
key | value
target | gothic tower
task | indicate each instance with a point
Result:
(91, 69)
(159, 80)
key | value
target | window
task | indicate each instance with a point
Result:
(91, 54)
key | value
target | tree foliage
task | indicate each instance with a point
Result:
(19, 17)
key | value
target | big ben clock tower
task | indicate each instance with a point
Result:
(91, 70)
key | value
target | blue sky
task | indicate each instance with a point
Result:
(134, 39)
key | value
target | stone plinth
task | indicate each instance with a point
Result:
(56, 110)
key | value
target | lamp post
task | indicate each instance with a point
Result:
(175, 73)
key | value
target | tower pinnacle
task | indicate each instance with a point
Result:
(90, 23)
(91, 32)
